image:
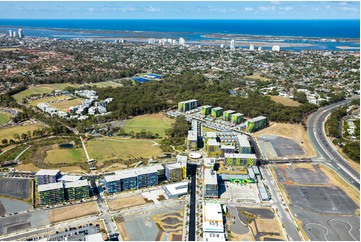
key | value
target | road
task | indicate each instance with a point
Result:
(192, 204)
(280, 207)
(325, 149)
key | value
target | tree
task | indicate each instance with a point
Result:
(16, 136)
(24, 136)
(4, 141)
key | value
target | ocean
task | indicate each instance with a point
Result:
(194, 30)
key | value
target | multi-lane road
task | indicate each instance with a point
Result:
(325, 149)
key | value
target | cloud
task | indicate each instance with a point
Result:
(287, 8)
(152, 9)
(343, 3)
(350, 9)
(275, 2)
(267, 8)
(248, 9)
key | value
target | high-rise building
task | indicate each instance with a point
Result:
(20, 33)
(232, 44)
(77, 190)
(10, 33)
(251, 47)
(276, 48)
(51, 193)
(151, 41)
(192, 140)
(14, 34)
(47, 176)
(182, 41)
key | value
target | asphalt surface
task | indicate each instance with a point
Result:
(192, 205)
(324, 149)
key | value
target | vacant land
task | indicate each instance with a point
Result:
(4, 117)
(8, 133)
(257, 77)
(155, 123)
(64, 105)
(40, 89)
(285, 101)
(72, 212)
(106, 84)
(72, 155)
(119, 203)
(121, 148)
(292, 131)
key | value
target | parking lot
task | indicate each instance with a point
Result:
(312, 175)
(15, 187)
(277, 146)
(239, 192)
(321, 199)
(74, 233)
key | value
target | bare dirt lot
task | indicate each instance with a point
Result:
(285, 101)
(119, 203)
(292, 131)
(72, 212)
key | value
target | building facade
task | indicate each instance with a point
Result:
(256, 124)
(187, 105)
(227, 115)
(47, 176)
(237, 118)
(210, 184)
(174, 172)
(240, 159)
(206, 110)
(217, 112)
(51, 193)
(77, 190)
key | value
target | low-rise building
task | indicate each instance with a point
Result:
(240, 159)
(174, 172)
(256, 124)
(228, 114)
(217, 112)
(175, 190)
(185, 106)
(213, 218)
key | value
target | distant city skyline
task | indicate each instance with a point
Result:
(180, 10)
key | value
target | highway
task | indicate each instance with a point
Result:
(325, 149)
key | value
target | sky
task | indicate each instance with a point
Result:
(179, 10)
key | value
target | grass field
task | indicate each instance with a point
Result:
(121, 148)
(64, 105)
(4, 118)
(285, 101)
(292, 131)
(8, 133)
(47, 100)
(72, 212)
(65, 156)
(40, 89)
(257, 77)
(155, 123)
(119, 203)
(106, 84)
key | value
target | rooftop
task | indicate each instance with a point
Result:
(245, 156)
(210, 177)
(50, 186)
(257, 119)
(80, 183)
(213, 218)
(243, 140)
(176, 188)
(47, 172)
(69, 178)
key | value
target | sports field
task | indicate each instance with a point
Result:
(50, 100)
(40, 89)
(285, 101)
(4, 118)
(108, 148)
(64, 105)
(8, 133)
(57, 156)
(155, 123)
(72, 212)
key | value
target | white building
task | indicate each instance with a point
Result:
(182, 41)
(151, 41)
(175, 190)
(251, 47)
(20, 33)
(10, 33)
(276, 48)
(232, 45)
